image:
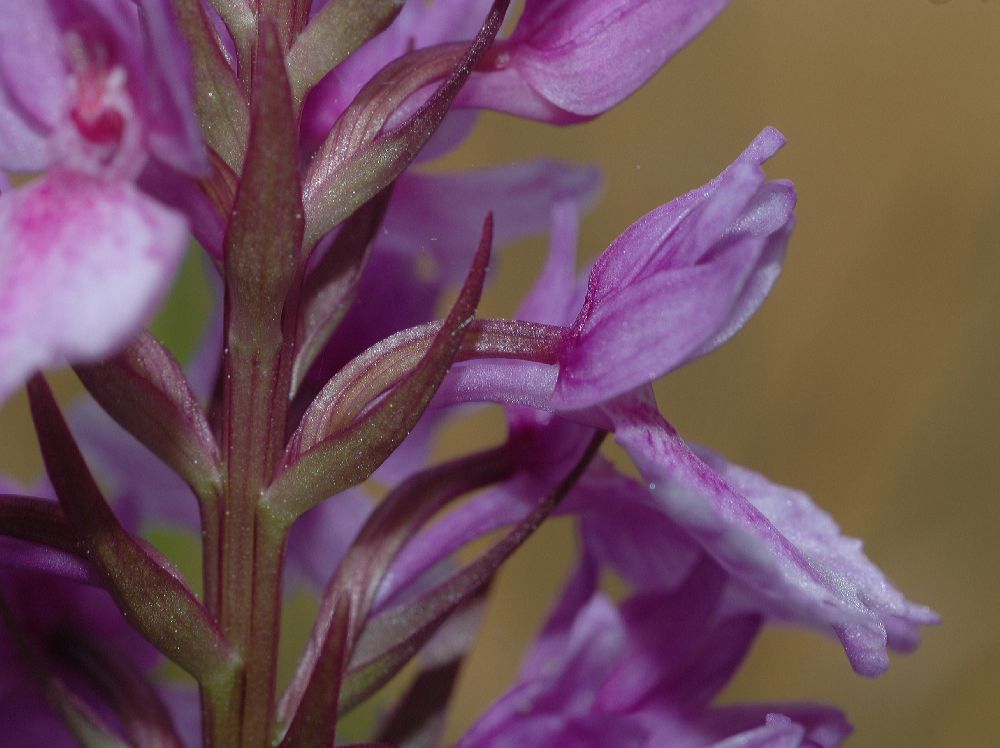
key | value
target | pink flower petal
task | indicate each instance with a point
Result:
(84, 263)
(569, 60)
(788, 553)
(679, 282)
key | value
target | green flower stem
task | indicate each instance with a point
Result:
(265, 626)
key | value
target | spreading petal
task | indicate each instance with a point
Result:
(570, 60)
(787, 553)
(83, 265)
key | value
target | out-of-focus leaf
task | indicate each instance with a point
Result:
(375, 370)
(37, 521)
(219, 100)
(331, 286)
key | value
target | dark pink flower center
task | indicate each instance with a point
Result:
(101, 116)
(91, 114)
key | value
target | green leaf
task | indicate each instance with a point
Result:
(358, 160)
(351, 455)
(154, 600)
(144, 390)
(339, 29)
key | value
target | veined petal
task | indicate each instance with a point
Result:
(789, 555)
(570, 60)
(679, 282)
(84, 263)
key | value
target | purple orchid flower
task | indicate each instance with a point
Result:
(70, 661)
(643, 674)
(680, 281)
(90, 92)
(675, 285)
(571, 60)
(323, 362)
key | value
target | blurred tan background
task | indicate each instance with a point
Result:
(868, 379)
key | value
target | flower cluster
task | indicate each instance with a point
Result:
(285, 137)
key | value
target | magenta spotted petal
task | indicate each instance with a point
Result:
(83, 264)
(92, 91)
